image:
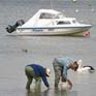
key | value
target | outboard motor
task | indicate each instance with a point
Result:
(11, 29)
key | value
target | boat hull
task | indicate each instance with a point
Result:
(52, 31)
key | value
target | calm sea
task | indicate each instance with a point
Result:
(18, 51)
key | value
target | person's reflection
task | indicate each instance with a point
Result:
(64, 93)
(45, 93)
(58, 92)
(37, 92)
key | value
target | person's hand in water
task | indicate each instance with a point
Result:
(70, 84)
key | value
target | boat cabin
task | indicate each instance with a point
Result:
(49, 18)
(58, 17)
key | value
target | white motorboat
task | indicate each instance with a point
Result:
(52, 22)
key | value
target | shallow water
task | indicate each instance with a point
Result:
(18, 51)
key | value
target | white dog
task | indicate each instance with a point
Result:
(82, 69)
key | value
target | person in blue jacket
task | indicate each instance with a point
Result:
(61, 65)
(37, 72)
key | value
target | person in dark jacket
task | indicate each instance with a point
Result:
(37, 72)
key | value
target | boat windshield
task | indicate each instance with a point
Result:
(46, 16)
(51, 16)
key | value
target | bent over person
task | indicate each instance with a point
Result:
(37, 72)
(61, 66)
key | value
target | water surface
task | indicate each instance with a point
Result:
(18, 51)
